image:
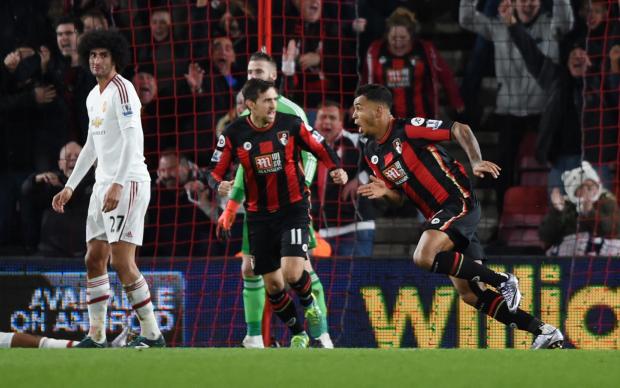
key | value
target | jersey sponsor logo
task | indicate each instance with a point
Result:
(96, 122)
(129, 234)
(268, 163)
(435, 124)
(398, 146)
(417, 121)
(126, 110)
(396, 174)
(374, 159)
(283, 137)
(221, 141)
(247, 146)
(398, 78)
(217, 155)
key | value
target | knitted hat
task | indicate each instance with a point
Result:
(574, 178)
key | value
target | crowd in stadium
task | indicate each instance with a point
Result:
(555, 65)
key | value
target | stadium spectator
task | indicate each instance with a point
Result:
(169, 59)
(520, 100)
(44, 230)
(73, 82)
(559, 132)
(412, 68)
(587, 221)
(345, 220)
(479, 64)
(318, 54)
(407, 162)
(94, 20)
(215, 88)
(231, 115)
(181, 213)
(600, 92)
(157, 123)
(23, 146)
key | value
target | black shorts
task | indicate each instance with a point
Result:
(273, 236)
(459, 221)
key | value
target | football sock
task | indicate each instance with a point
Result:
(253, 303)
(492, 304)
(318, 292)
(303, 288)
(140, 298)
(97, 294)
(5, 339)
(460, 266)
(51, 343)
(283, 306)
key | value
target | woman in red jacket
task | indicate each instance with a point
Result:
(411, 68)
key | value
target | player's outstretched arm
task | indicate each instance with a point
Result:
(463, 134)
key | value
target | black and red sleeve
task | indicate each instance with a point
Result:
(311, 140)
(220, 161)
(432, 130)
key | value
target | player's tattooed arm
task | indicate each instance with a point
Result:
(463, 134)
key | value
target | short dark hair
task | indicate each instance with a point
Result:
(77, 23)
(330, 104)
(376, 93)
(182, 160)
(254, 87)
(263, 56)
(112, 41)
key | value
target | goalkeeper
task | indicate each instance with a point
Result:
(262, 66)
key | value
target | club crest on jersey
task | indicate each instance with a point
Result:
(417, 121)
(247, 146)
(126, 109)
(221, 141)
(268, 163)
(435, 124)
(398, 146)
(396, 174)
(283, 137)
(374, 159)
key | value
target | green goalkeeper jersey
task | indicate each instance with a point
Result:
(309, 161)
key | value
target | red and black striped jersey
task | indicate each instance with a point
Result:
(270, 158)
(408, 158)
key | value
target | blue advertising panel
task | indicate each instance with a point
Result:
(372, 302)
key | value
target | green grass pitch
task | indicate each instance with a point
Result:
(179, 368)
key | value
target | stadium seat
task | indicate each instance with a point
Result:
(524, 209)
(531, 172)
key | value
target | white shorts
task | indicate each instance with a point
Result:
(126, 222)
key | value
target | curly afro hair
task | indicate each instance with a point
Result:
(112, 41)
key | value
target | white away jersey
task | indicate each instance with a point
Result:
(112, 113)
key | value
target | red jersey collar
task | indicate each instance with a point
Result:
(263, 129)
(387, 133)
